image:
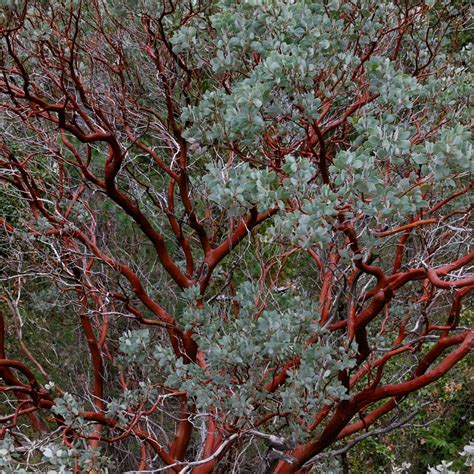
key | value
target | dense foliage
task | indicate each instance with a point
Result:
(235, 234)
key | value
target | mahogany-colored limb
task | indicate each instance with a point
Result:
(97, 365)
(183, 434)
(11, 380)
(110, 422)
(216, 255)
(213, 439)
(348, 408)
(405, 227)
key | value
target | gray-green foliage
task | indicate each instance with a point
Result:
(263, 81)
(294, 42)
(55, 458)
(234, 348)
(243, 188)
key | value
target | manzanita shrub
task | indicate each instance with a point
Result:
(235, 233)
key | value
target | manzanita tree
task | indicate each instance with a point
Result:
(235, 234)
